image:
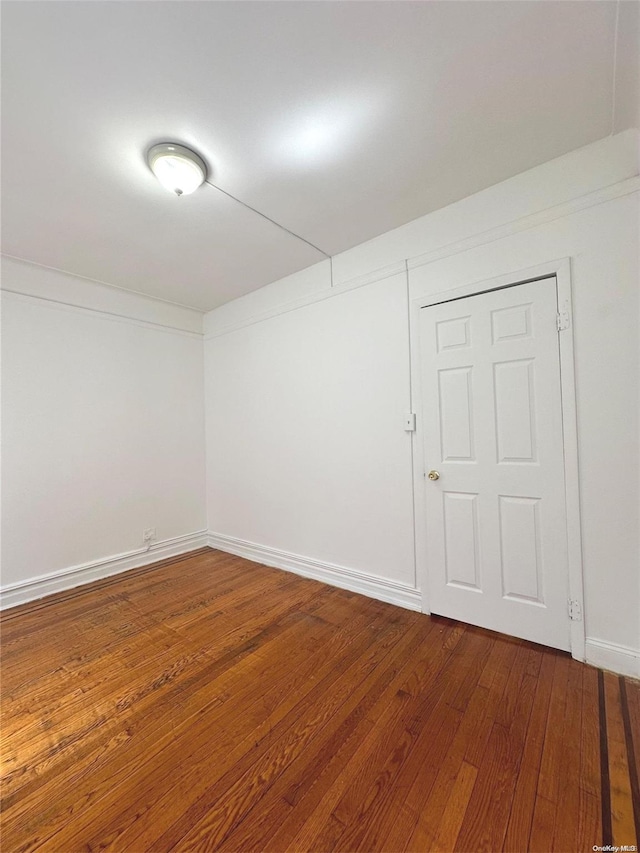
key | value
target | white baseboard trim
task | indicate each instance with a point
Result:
(34, 588)
(611, 656)
(389, 591)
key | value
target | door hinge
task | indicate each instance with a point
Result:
(562, 320)
(575, 611)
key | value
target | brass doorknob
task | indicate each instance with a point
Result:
(433, 475)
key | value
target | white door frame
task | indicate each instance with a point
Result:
(561, 269)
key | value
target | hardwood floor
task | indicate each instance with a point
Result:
(213, 704)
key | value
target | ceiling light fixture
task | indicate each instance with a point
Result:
(181, 171)
(178, 169)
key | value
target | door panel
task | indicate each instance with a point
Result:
(513, 383)
(492, 415)
(462, 547)
(456, 427)
(520, 548)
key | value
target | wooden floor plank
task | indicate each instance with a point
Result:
(549, 779)
(252, 736)
(219, 689)
(209, 703)
(521, 815)
(347, 795)
(296, 794)
(198, 745)
(238, 640)
(622, 818)
(428, 807)
(590, 735)
(457, 805)
(217, 810)
(432, 735)
(632, 756)
(568, 802)
(486, 818)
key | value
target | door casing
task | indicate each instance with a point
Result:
(561, 269)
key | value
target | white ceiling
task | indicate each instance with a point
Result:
(339, 120)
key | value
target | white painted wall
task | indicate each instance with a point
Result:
(102, 427)
(307, 384)
(306, 448)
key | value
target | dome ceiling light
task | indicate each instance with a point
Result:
(179, 169)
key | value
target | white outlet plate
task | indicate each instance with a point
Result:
(149, 534)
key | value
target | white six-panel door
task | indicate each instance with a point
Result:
(492, 416)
